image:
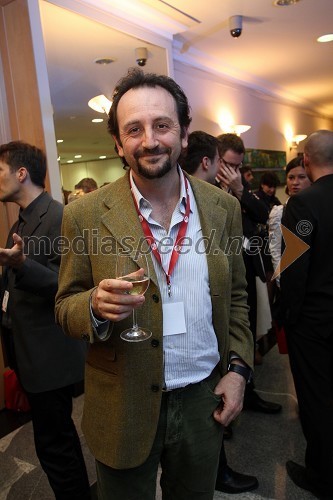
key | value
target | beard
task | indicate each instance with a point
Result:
(149, 173)
(152, 171)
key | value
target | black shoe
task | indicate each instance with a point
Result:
(230, 481)
(227, 432)
(254, 402)
(300, 476)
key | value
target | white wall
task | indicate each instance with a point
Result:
(100, 170)
(210, 97)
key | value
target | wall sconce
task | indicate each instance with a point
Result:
(296, 140)
(100, 103)
(236, 129)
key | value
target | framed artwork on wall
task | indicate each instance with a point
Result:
(262, 160)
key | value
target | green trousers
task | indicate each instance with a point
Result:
(187, 446)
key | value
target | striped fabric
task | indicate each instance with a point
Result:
(188, 357)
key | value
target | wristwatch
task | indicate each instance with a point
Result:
(245, 371)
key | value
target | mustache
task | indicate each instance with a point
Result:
(152, 152)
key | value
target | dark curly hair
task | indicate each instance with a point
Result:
(137, 78)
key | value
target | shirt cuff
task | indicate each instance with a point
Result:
(233, 355)
(100, 327)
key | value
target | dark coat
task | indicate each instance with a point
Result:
(45, 357)
(307, 284)
(254, 219)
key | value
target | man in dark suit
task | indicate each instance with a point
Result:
(48, 363)
(307, 305)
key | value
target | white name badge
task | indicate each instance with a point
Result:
(5, 301)
(174, 318)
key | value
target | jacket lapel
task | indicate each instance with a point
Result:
(122, 221)
(37, 213)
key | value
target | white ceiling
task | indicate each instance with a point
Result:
(277, 54)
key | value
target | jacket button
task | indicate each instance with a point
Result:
(155, 298)
(155, 388)
(85, 336)
(155, 343)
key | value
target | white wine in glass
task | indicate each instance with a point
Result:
(135, 270)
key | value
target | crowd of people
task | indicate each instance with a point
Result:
(186, 201)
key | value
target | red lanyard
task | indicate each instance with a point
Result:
(179, 240)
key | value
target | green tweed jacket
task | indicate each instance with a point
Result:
(123, 380)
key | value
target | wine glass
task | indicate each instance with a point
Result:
(134, 268)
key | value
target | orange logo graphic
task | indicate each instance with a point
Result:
(295, 247)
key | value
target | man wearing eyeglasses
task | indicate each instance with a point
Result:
(254, 212)
(202, 160)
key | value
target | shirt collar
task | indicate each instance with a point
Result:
(25, 213)
(144, 203)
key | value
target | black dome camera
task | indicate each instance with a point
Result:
(141, 56)
(235, 25)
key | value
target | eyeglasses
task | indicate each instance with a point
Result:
(231, 165)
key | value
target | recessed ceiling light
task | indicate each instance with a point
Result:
(70, 161)
(78, 156)
(60, 140)
(284, 3)
(102, 157)
(104, 60)
(97, 120)
(325, 38)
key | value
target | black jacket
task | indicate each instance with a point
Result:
(46, 359)
(307, 284)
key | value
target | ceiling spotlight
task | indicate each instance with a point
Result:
(141, 56)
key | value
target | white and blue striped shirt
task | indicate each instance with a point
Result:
(188, 357)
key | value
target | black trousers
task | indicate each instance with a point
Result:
(57, 443)
(311, 361)
(251, 290)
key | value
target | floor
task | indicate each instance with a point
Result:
(260, 445)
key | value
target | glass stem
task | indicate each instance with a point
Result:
(135, 321)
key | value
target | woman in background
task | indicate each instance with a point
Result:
(267, 189)
(296, 180)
